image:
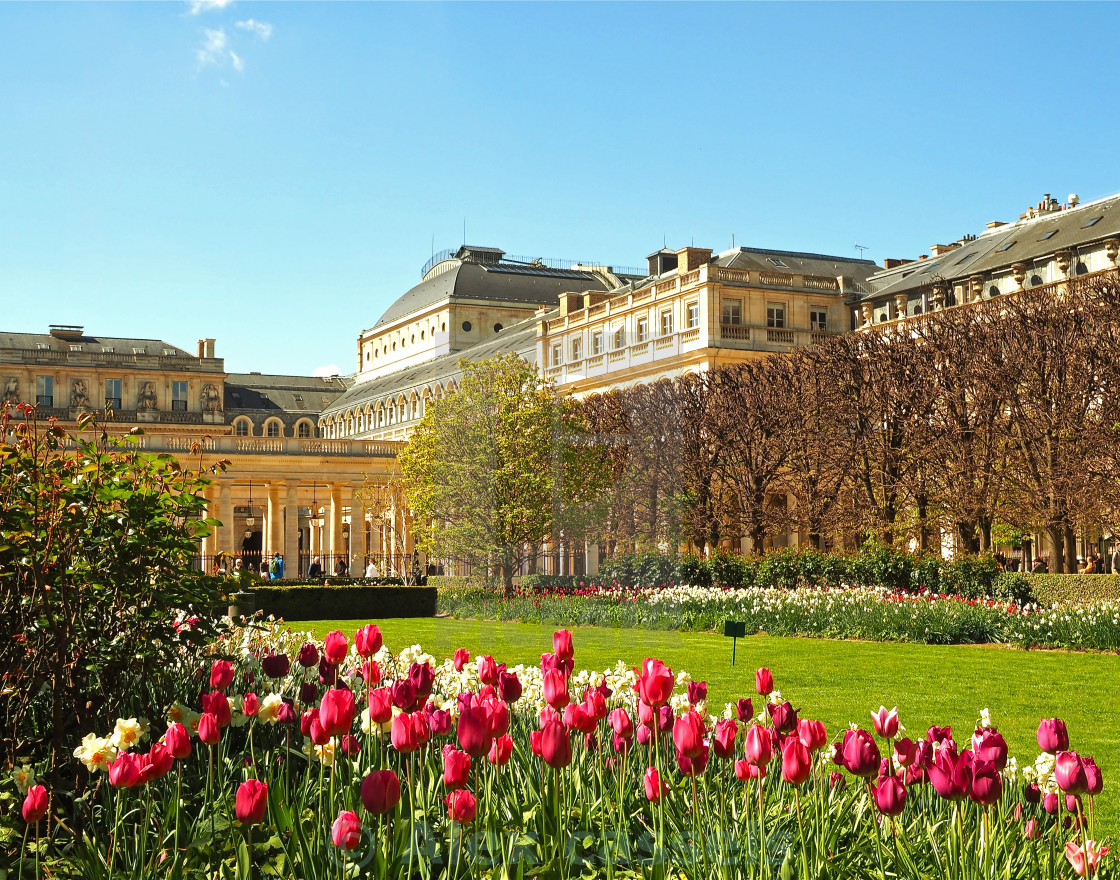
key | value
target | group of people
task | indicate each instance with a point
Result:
(1094, 564)
(273, 568)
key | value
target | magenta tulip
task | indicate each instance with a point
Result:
(783, 715)
(1069, 773)
(697, 692)
(886, 723)
(987, 784)
(35, 804)
(951, 774)
(693, 766)
(381, 791)
(1094, 781)
(744, 710)
(890, 796)
(346, 832)
(509, 687)
(764, 682)
(1052, 736)
(252, 801)
(905, 752)
(797, 762)
(861, 754)
(989, 746)
(367, 640)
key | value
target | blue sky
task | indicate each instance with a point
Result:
(273, 175)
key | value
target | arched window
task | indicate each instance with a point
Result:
(241, 427)
(304, 430)
(273, 429)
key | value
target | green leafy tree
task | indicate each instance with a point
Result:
(96, 583)
(500, 465)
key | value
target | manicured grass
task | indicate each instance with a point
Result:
(838, 682)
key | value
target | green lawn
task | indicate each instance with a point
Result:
(838, 682)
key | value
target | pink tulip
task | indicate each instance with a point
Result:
(1094, 781)
(688, 734)
(989, 746)
(501, 750)
(655, 682)
(797, 762)
(644, 734)
(764, 682)
(381, 791)
(250, 705)
(886, 723)
(1069, 773)
(251, 802)
(890, 795)
(346, 832)
(35, 804)
(221, 674)
(1085, 860)
(1052, 736)
(456, 768)
(905, 752)
(1050, 803)
(562, 645)
(744, 710)
(337, 711)
(178, 741)
(620, 723)
(439, 720)
(697, 692)
(1030, 829)
(758, 748)
(861, 755)
(367, 640)
(335, 647)
(812, 734)
(461, 806)
(555, 689)
(124, 772)
(655, 789)
(951, 774)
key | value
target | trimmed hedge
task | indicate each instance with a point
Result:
(345, 603)
(1049, 589)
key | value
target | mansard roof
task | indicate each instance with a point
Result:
(298, 395)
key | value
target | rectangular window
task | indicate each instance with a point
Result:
(620, 338)
(643, 329)
(557, 354)
(731, 311)
(775, 315)
(577, 349)
(179, 396)
(666, 322)
(693, 315)
(818, 319)
(113, 394)
(597, 343)
(44, 390)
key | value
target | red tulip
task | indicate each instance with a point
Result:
(178, 741)
(905, 752)
(404, 695)
(1050, 803)
(577, 718)
(562, 645)
(758, 748)
(1085, 859)
(498, 717)
(555, 688)
(509, 687)
(744, 710)
(35, 804)
(474, 732)
(644, 733)
(655, 789)
(346, 832)
(319, 734)
(861, 755)
(655, 682)
(547, 714)
(764, 682)
(461, 806)
(370, 673)
(252, 800)
(1032, 794)
(501, 750)
(812, 734)
(890, 795)
(1052, 736)
(403, 735)
(276, 665)
(595, 704)
(208, 730)
(797, 762)
(305, 721)
(535, 742)
(783, 715)
(620, 723)
(556, 745)
(381, 791)
(456, 767)
(308, 656)
(951, 774)
(688, 734)
(1094, 781)
(308, 692)
(221, 674)
(217, 704)
(487, 670)
(693, 766)
(723, 738)
(336, 712)
(551, 661)
(987, 784)
(886, 723)
(250, 705)
(1073, 804)
(439, 721)
(335, 647)
(349, 744)
(380, 705)
(462, 658)
(124, 772)
(697, 692)
(368, 640)
(1069, 773)
(158, 762)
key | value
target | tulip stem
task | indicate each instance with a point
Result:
(801, 832)
(875, 826)
(763, 855)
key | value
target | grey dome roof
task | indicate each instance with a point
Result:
(507, 282)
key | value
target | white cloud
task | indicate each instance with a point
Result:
(197, 6)
(216, 50)
(261, 28)
(328, 370)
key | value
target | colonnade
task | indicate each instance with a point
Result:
(303, 521)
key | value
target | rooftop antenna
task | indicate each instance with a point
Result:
(464, 232)
(861, 248)
(732, 241)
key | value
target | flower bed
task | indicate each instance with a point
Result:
(343, 759)
(845, 612)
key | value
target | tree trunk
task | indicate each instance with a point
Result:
(986, 533)
(506, 569)
(1071, 548)
(1057, 546)
(966, 531)
(923, 523)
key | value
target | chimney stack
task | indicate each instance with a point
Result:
(209, 348)
(201, 349)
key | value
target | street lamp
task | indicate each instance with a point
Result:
(250, 520)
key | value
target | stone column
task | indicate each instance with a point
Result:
(337, 547)
(591, 551)
(274, 520)
(227, 536)
(291, 534)
(357, 531)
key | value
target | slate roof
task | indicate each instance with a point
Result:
(1027, 241)
(90, 343)
(298, 395)
(520, 338)
(763, 260)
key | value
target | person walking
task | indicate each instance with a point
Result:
(1115, 559)
(315, 570)
(341, 569)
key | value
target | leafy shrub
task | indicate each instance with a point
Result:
(1013, 586)
(970, 576)
(694, 570)
(1051, 589)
